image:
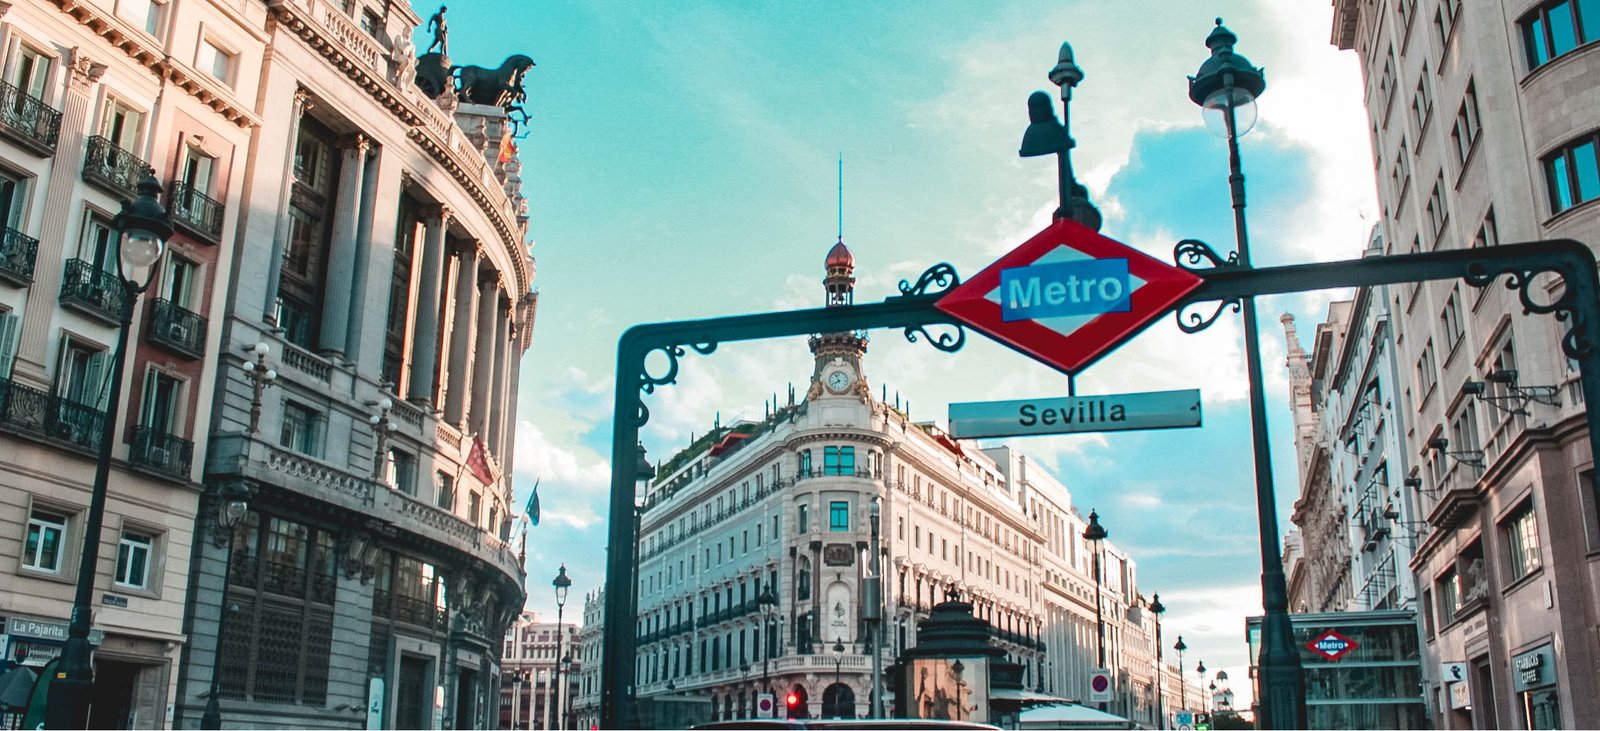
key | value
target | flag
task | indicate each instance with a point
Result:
(507, 147)
(531, 512)
(478, 462)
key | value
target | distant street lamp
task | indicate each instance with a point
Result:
(232, 506)
(1226, 87)
(145, 226)
(838, 666)
(562, 584)
(768, 603)
(1157, 608)
(875, 612)
(1095, 533)
(1183, 684)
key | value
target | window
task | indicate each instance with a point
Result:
(1450, 320)
(81, 374)
(403, 473)
(1572, 172)
(1400, 178)
(216, 61)
(99, 243)
(1521, 535)
(1386, 80)
(405, 246)
(178, 284)
(163, 404)
(1437, 213)
(805, 463)
(13, 202)
(1465, 133)
(838, 515)
(803, 519)
(1464, 437)
(144, 14)
(310, 204)
(45, 549)
(302, 429)
(275, 646)
(1422, 102)
(1556, 28)
(1427, 371)
(30, 72)
(133, 560)
(9, 326)
(838, 460)
(1488, 233)
(121, 123)
(444, 490)
(1444, 19)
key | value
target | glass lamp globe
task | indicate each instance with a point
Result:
(1215, 111)
(140, 251)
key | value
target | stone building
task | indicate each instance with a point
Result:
(1484, 119)
(786, 505)
(528, 681)
(93, 96)
(587, 679)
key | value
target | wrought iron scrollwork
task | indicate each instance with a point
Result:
(649, 381)
(1190, 252)
(1191, 321)
(941, 275)
(1564, 306)
(945, 341)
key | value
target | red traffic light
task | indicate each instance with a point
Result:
(793, 699)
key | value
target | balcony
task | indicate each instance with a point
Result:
(93, 291)
(17, 254)
(177, 329)
(28, 121)
(161, 452)
(113, 168)
(195, 212)
(36, 413)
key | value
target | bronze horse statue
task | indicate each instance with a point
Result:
(499, 87)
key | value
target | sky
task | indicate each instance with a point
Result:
(683, 162)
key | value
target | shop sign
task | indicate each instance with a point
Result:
(1533, 668)
(39, 629)
(1460, 695)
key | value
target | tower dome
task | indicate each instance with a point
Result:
(839, 257)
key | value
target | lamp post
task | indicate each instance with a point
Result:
(260, 377)
(1183, 685)
(1157, 608)
(1200, 670)
(874, 610)
(838, 667)
(1046, 136)
(232, 505)
(1095, 533)
(566, 667)
(562, 584)
(144, 226)
(1227, 86)
(768, 603)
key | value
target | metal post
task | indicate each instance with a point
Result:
(1157, 609)
(555, 684)
(212, 718)
(877, 623)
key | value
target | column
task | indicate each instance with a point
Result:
(360, 310)
(32, 345)
(461, 336)
(425, 338)
(269, 306)
(483, 353)
(337, 293)
(497, 399)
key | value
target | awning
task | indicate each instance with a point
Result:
(1068, 716)
(1026, 696)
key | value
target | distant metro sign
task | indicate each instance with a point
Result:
(1068, 295)
(1332, 645)
(1102, 413)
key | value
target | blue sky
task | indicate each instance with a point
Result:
(682, 163)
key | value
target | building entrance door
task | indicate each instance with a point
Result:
(466, 699)
(412, 699)
(126, 695)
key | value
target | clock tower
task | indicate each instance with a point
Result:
(838, 355)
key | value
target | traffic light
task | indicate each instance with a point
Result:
(792, 702)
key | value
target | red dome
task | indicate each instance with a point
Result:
(840, 256)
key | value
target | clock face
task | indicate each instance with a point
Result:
(838, 381)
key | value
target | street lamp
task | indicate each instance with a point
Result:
(1046, 136)
(144, 226)
(838, 666)
(562, 584)
(768, 603)
(260, 377)
(1095, 533)
(232, 506)
(1227, 86)
(1157, 608)
(1183, 685)
(566, 665)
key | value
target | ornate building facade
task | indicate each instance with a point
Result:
(794, 504)
(528, 679)
(1484, 120)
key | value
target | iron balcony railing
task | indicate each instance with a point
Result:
(28, 410)
(28, 120)
(114, 168)
(196, 212)
(17, 254)
(92, 290)
(177, 329)
(161, 452)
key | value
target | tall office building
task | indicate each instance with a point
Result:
(1484, 119)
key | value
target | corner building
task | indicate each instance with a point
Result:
(786, 503)
(380, 257)
(1485, 121)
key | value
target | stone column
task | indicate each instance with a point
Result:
(337, 293)
(497, 399)
(461, 336)
(280, 232)
(425, 336)
(483, 353)
(360, 310)
(33, 343)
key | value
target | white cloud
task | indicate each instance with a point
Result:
(559, 468)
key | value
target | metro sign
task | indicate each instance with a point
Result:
(1068, 296)
(1332, 645)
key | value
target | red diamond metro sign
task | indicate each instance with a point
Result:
(1332, 645)
(1068, 296)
